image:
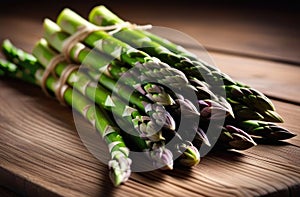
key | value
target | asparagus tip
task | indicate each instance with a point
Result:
(162, 157)
(202, 136)
(187, 107)
(119, 170)
(272, 116)
(240, 139)
(190, 156)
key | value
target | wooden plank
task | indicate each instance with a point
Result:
(41, 154)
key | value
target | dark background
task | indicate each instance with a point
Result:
(281, 7)
(278, 20)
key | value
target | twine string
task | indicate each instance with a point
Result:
(50, 69)
(61, 85)
(84, 31)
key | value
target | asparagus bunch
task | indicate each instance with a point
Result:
(247, 103)
(119, 164)
(56, 37)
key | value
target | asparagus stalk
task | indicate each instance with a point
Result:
(10, 69)
(230, 137)
(244, 96)
(100, 15)
(265, 131)
(119, 164)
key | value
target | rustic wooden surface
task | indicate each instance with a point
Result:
(41, 152)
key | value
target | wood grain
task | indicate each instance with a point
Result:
(41, 154)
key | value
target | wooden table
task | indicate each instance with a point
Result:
(41, 153)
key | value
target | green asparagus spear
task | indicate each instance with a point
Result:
(10, 69)
(265, 131)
